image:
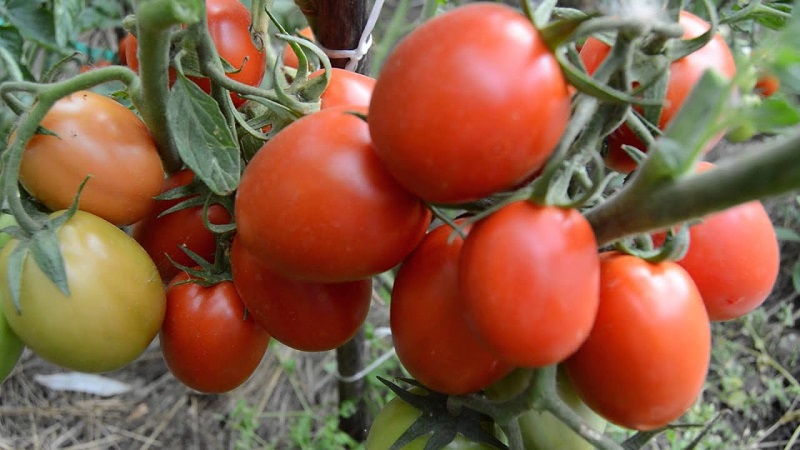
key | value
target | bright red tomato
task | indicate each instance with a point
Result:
(229, 26)
(432, 339)
(767, 85)
(528, 276)
(346, 88)
(311, 317)
(163, 237)
(645, 361)
(100, 138)
(683, 75)
(208, 341)
(474, 114)
(316, 204)
(734, 258)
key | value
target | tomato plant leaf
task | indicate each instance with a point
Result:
(772, 114)
(786, 234)
(796, 277)
(34, 21)
(16, 261)
(46, 252)
(67, 12)
(203, 138)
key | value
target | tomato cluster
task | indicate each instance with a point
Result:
(348, 192)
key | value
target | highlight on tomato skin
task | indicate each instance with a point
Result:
(645, 361)
(432, 339)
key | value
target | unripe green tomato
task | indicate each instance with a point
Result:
(742, 133)
(115, 307)
(395, 418)
(10, 346)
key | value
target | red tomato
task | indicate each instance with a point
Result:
(289, 57)
(528, 277)
(733, 258)
(163, 237)
(122, 50)
(645, 361)
(432, 339)
(208, 341)
(683, 75)
(100, 138)
(311, 317)
(229, 26)
(474, 114)
(316, 204)
(346, 89)
(767, 85)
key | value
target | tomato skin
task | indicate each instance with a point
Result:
(122, 49)
(116, 305)
(395, 418)
(99, 137)
(733, 258)
(475, 114)
(162, 237)
(646, 359)
(311, 317)
(683, 76)
(346, 89)
(528, 276)
(229, 27)
(431, 337)
(208, 341)
(316, 205)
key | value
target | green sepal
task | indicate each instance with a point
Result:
(44, 248)
(438, 422)
(16, 262)
(205, 143)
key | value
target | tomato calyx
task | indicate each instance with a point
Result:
(439, 419)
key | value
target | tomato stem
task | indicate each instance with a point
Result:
(155, 20)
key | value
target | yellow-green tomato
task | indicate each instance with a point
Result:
(395, 418)
(116, 305)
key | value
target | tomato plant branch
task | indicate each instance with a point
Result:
(546, 391)
(155, 20)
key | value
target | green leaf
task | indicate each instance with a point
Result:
(796, 277)
(67, 12)
(773, 16)
(203, 138)
(45, 250)
(774, 113)
(11, 40)
(786, 234)
(16, 261)
(33, 20)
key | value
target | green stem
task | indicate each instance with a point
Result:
(514, 435)
(771, 169)
(546, 389)
(155, 20)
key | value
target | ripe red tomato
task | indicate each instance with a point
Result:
(122, 49)
(528, 276)
(346, 88)
(311, 317)
(767, 85)
(683, 75)
(316, 204)
(733, 257)
(646, 359)
(229, 26)
(474, 114)
(100, 138)
(162, 237)
(116, 302)
(208, 341)
(432, 339)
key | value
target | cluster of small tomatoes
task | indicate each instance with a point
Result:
(334, 199)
